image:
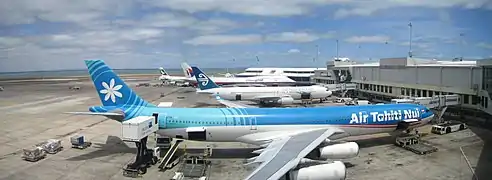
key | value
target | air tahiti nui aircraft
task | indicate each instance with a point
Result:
(290, 138)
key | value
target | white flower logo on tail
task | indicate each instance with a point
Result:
(111, 91)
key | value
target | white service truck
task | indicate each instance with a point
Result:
(448, 127)
(137, 130)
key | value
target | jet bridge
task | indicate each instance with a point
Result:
(439, 103)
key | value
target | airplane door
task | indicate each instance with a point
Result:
(252, 122)
(238, 97)
(160, 120)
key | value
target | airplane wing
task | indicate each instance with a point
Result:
(284, 153)
(232, 104)
(165, 104)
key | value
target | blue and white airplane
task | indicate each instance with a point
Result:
(265, 96)
(291, 138)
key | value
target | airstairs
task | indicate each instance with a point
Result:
(169, 156)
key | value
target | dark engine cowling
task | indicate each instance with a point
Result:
(305, 95)
(330, 171)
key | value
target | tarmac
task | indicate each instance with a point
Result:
(34, 112)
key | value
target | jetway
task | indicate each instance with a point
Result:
(340, 87)
(439, 103)
(434, 102)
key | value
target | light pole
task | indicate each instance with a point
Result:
(410, 40)
(462, 39)
(317, 52)
(337, 51)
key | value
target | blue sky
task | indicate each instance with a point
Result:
(58, 34)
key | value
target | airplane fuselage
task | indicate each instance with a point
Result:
(233, 80)
(252, 93)
(252, 124)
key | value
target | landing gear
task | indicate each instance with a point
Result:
(145, 158)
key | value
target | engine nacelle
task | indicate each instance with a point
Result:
(285, 100)
(339, 151)
(331, 171)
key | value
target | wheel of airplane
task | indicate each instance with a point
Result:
(143, 170)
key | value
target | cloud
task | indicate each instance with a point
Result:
(90, 13)
(416, 44)
(368, 7)
(368, 39)
(36, 34)
(484, 45)
(82, 13)
(249, 7)
(292, 51)
(283, 37)
(224, 39)
(300, 7)
(177, 20)
(292, 37)
(215, 26)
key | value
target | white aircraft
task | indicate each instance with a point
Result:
(265, 96)
(224, 80)
(186, 70)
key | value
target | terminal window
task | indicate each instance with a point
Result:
(475, 100)
(402, 91)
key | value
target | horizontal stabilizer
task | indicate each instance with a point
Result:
(96, 113)
(111, 115)
(165, 104)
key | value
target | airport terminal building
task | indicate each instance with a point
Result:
(415, 77)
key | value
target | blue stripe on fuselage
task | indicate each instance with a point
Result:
(343, 115)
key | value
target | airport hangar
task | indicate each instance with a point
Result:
(416, 77)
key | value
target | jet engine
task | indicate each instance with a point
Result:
(336, 151)
(285, 100)
(332, 171)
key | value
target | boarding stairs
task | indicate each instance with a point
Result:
(168, 157)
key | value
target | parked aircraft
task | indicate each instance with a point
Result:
(291, 138)
(265, 96)
(181, 79)
(225, 80)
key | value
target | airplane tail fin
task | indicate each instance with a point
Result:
(187, 70)
(204, 82)
(163, 72)
(112, 91)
